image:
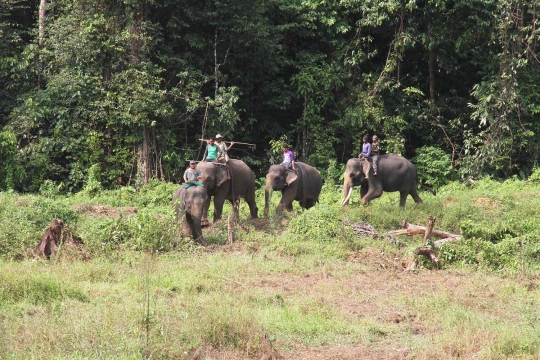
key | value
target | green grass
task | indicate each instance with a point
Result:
(304, 281)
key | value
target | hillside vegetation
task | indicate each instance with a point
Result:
(298, 287)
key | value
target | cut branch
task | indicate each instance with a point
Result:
(411, 229)
(427, 251)
(429, 229)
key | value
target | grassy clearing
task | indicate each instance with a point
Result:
(297, 287)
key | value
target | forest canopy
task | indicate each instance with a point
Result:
(120, 91)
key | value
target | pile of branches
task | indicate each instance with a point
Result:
(428, 231)
(366, 229)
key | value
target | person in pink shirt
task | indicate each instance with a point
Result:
(287, 158)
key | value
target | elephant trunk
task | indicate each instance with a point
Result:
(197, 235)
(267, 196)
(347, 189)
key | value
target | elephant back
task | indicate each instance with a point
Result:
(310, 181)
(397, 172)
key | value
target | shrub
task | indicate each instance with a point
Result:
(23, 220)
(535, 176)
(434, 166)
(319, 222)
(11, 173)
(141, 232)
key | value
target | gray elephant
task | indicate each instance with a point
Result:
(394, 173)
(304, 186)
(189, 204)
(238, 182)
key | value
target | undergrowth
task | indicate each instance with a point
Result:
(281, 283)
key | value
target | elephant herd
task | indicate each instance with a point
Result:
(304, 185)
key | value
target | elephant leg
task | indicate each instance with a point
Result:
(287, 197)
(414, 194)
(363, 191)
(205, 210)
(253, 210)
(219, 200)
(403, 198)
(373, 192)
(310, 203)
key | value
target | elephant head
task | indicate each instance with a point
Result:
(354, 176)
(189, 206)
(277, 179)
(212, 176)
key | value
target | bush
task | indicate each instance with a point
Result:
(141, 232)
(319, 222)
(23, 220)
(535, 176)
(434, 167)
(11, 173)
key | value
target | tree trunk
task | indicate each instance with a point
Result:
(42, 5)
(145, 161)
(41, 35)
(431, 65)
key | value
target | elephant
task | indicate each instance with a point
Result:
(189, 204)
(304, 186)
(395, 173)
(238, 182)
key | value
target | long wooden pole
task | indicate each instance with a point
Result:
(236, 142)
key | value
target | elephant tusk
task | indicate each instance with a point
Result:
(344, 201)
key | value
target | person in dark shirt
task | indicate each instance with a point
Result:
(364, 155)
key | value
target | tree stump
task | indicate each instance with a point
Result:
(429, 229)
(54, 237)
(230, 229)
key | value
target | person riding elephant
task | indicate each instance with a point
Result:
(394, 173)
(304, 186)
(188, 203)
(232, 183)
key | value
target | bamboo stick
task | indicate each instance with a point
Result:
(235, 142)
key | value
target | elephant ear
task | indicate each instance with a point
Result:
(221, 175)
(366, 166)
(291, 177)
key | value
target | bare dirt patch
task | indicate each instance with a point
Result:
(485, 202)
(104, 211)
(347, 352)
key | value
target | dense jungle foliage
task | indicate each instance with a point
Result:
(117, 92)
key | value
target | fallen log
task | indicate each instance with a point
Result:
(427, 251)
(438, 243)
(411, 229)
